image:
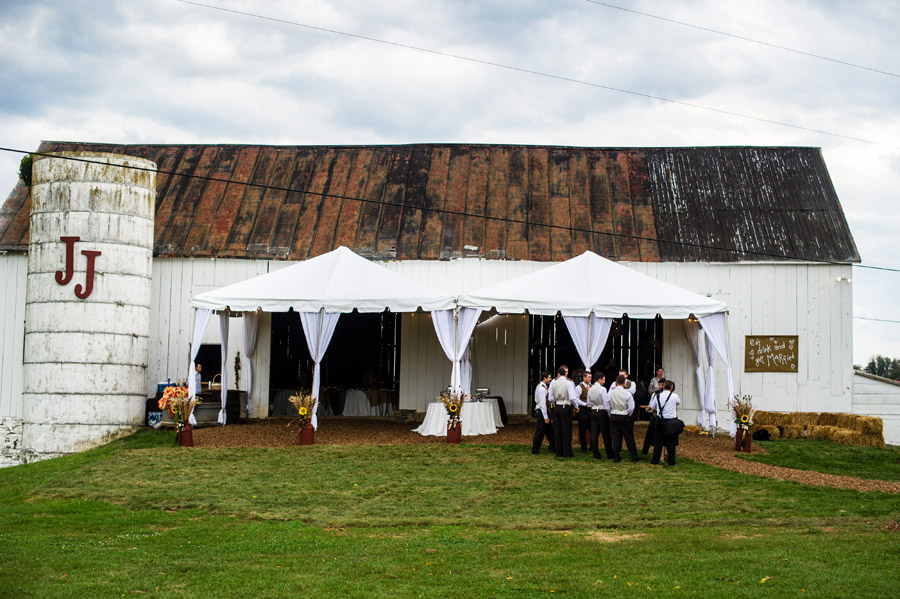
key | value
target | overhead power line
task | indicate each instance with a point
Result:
(877, 319)
(744, 38)
(513, 221)
(543, 74)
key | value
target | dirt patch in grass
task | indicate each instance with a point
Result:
(604, 536)
(718, 451)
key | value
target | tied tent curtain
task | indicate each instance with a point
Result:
(201, 321)
(465, 370)
(251, 328)
(318, 327)
(694, 334)
(454, 329)
(589, 334)
(716, 329)
(709, 398)
(223, 334)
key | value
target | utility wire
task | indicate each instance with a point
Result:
(876, 319)
(746, 39)
(513, 221)
(544, 74)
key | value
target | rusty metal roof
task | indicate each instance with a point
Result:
(427, 201)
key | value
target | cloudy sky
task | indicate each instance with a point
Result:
(163, 71)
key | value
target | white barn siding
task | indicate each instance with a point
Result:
(13, 274)
(875, 396)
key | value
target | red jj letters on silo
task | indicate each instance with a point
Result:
(63, 278)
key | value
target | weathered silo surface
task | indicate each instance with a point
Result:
(87, 338)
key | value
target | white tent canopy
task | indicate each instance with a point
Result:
(590, 284)
(338, 281)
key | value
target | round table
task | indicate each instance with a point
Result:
(477, 418)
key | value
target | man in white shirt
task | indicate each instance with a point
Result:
(621, 408)
(542, 413)
(598, 398)
(628, 384)
(584, 416)
(562, 391)
(665, 405)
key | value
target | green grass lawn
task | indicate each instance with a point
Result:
(141, 517)
(881, 463)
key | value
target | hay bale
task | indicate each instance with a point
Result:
(791, 431)
(692, 429)
(827, 419)
(849, 437)
(803, 418)
(824, 432)
(764, 418)
(872, 425)
(773, 430)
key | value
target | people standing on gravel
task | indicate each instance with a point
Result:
(542, 413)
(664, 405)
(621, 408)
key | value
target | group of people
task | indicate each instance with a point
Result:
(602, 413)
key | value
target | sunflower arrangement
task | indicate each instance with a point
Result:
(743, 411)
(179, 404)
(305, 403)
(453, 403)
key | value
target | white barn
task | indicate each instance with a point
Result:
(760, 229)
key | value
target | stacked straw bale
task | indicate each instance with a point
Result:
(847, 429)
(821, 431)
(791, 431)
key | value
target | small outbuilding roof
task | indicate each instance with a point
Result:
(430, 201)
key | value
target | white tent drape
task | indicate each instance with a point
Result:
(694, 336)
(465, 370)
(318, 327)
(716, 329)
(589, 334)
(251, 328)
(201, 321)
(223, 335)
(709, 398)
(454, 329)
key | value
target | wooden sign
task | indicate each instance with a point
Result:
(770, 353)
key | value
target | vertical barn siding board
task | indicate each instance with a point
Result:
(207, 207)
(312, 204)
(497, 200)
(642, 205)
(476, 197)
(834, 323)
(517, 207)
(13, 271)
(411, 220)
(430, 243)
(286, 224)
(228, 207)
(604, 243)
(561, 213)
(371, 210)
(357, 178)
(331, 206)
(273, 198)
(189, 199)
(457, 183)
(387, 236)
(623, 217)
(538, 206)
(580, 202)
(244, 219)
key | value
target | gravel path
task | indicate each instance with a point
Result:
(282, 432)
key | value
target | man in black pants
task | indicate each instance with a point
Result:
(562, 391)
(651, 426)
(542, 413)
(584, 416)
(621, 405)
(599, 401)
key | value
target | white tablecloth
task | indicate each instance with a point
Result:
(493, 401)
(357, 404)
(477, 419)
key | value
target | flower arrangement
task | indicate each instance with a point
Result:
(743, 411)
(305, 403)
(179, 405)
(453, 403)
